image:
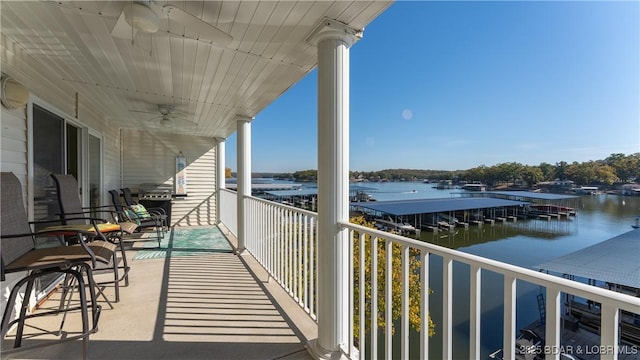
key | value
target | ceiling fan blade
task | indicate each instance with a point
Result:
(193, 23)
(142, 111)
(122, 29)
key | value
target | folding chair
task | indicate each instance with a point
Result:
(19, 254)
(73, 214)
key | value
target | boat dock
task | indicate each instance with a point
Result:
(612, 264)
(443, 214)
(577, 342)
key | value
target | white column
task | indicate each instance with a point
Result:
(333, 40)
(220, 174)
(244, 176)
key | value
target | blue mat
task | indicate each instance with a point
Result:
(184, 242)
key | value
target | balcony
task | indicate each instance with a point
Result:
(217, 305)
(264, 304)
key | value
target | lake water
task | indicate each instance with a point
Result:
(526, 243)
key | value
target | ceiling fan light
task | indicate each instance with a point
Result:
(141, 17)
(165, 122)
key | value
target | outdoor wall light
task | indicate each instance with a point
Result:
(14, 94)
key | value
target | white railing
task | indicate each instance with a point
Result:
(229, 210)
(283, 240)
(411, 250)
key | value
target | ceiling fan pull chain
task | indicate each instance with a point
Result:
(132, 30)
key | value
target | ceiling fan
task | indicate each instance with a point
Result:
(168, 119)
(145, 16)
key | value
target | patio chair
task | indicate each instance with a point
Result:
(152, 222)
(20, 255)
(156, 211)
(72, 214)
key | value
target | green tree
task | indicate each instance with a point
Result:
(606, 174)
(548, 171)
(532, 175)
(396, 268)
(561, 168)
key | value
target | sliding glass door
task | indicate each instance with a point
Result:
(48, 158)
(61, 147)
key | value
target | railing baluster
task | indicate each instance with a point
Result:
(374, 297)
(307, 269)
(388, 299)
(474, 311)
(447, 311)
(351, 306)
(404, 319)
(609, 323)
(312, 264)
(424, 303)
(552, 322)
(300, 255)
(288, 251)
(361, 285)
(281, 249)
(509, 327)
(294, 255)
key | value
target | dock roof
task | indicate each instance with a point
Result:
(615, 260)
(295, 192)
(427, 206)
(532, 195)
(266, 187)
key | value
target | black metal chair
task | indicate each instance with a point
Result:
(20, 255)
(72, 213)
(152, 222)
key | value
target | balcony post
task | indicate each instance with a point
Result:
(333, 40)
(244, 176)
(220, 175)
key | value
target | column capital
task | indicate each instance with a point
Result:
(219, 139)
(333, 29)
(244, 118)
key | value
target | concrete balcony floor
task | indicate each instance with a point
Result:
(210, 306)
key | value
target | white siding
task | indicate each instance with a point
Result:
(150, 158)
(13, 144)
(13, 158)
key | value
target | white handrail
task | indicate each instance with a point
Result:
(229, 210)
(611, 301)
(283, 239)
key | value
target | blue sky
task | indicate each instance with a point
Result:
(455, 85)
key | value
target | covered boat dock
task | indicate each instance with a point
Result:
(442, 214)
(542, 205)
(613, 264)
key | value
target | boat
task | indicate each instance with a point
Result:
(391, 225)
(586, 190)
(474, 187)
(530, 346)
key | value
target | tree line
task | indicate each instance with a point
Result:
(616, 168)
